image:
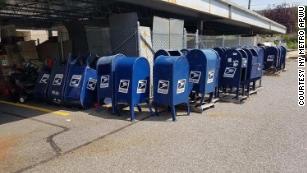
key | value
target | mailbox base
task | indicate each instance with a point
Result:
(172, 109)
(232, 98)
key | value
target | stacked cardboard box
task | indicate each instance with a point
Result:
(27, 50)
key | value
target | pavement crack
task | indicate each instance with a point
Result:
(80, 146)
(50, 138)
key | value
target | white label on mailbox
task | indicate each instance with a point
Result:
(235, 63)
(123, 86)
(58, 78)
(229, 60)
(163, 86)
(75, 81)
(210, 77)
(230, 72)
(91, 85)
(194, 76)
(244, 62)
(181, 86)
(271, 58)
(141, 86)
(5, 62)
(104, 81)
(44, 78)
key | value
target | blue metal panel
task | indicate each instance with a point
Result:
(106, 78)
(171, 74)
(256, 71)
(283, 56)
(204, 66)
(246, 64)
(41, 86)
(222, 56)
(271, 57)
(80, 87)
(232, 69)
(57, 80)
(167, 53)
(132, 79)
(161, 52)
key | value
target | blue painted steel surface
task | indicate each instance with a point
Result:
(171, 75)
(80, 87)
(271, 57)
(106, 78)
(42, 83)
(132, 79)
(168, 53)
(57, 80)
(283, 56)
(234, 69)
(204, 70)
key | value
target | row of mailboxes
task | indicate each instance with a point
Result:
(239, 68)
(71, 83)
(124, 80)
(171, 87)
(178, 77)
(275, 57)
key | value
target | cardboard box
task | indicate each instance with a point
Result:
(27, 49)
(48, 50)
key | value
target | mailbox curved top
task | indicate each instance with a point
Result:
(167, 53)
(109, 60)
(198, 56)
(221, 51)
(131, 63)
(175, 60)
(161, 52)
(271, 49)
(254, 51)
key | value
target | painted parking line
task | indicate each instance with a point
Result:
(59, 113)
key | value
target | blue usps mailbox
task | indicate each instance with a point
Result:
(171, 88)
(80, 87)
(254, 68)
(233, 70)
(271, 57)
(168, 53)
(204, 72)
(222, 54)
(57, 80)
(132, 76)
(106, 77)
(283, 52)
(42, 83)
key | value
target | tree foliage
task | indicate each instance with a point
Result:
(284, 14)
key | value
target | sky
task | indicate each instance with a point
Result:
(263, 4)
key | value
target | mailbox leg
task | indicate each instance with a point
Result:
(132, 115)
(139, 108)
(254, 85)
(156, 109)
(188, 108)
(243, 90)
(173, 110)
(202, 99)
(113, 106)
(150, 108)
(248, 88)
(237, 92)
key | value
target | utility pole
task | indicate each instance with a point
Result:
(249, 4)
